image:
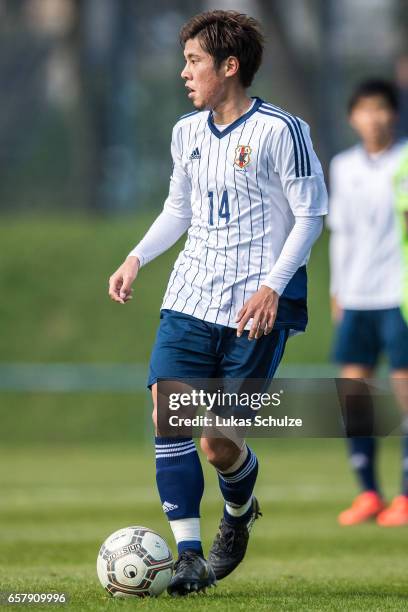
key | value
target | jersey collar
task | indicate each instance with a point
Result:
(234, 124)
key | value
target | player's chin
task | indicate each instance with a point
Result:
(198, 104)
(197, 101)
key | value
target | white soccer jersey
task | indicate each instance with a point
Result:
(365, 252)
(242, 188)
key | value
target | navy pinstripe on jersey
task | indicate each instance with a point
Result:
(242, 187)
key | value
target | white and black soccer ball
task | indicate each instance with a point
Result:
(134, 562)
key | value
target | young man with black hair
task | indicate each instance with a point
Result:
(367, 277)
(249, 189)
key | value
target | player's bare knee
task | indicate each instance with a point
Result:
(220, 453)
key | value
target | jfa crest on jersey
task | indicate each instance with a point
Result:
(242, 187)
(242, 156)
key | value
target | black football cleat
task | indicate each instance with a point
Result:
(192, 574)
(230, 544)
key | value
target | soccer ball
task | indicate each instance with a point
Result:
(134, 562)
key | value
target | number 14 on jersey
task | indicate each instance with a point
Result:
(223, 208)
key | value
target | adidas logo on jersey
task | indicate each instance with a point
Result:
(195, 154)
(167, 506)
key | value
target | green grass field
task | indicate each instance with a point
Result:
(59, 502)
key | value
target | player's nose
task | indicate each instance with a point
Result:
(184, 73)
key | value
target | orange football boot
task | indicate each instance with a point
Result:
(365, 507)
(396, 514)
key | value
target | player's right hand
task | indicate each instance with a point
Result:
(120, 283)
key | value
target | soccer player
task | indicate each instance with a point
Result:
(249, 189)
(367, 277)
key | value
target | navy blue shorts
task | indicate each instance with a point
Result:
(187, 347)
(363, 335)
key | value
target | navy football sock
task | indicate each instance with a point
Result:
(180, 482)
(404, 442)
(237, 487)
(362, 457)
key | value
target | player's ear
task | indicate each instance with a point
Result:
(231, 66)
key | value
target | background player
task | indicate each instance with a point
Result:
(367, 276)
(249, 188)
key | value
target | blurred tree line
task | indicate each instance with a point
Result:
(90, 89)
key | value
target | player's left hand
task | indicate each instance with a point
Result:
(262, 308)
